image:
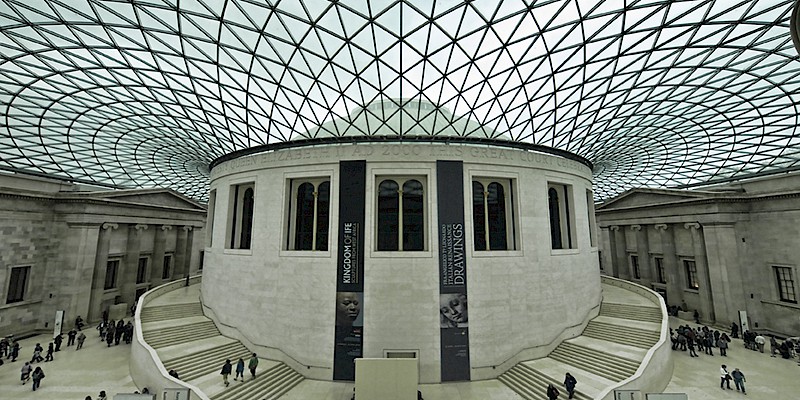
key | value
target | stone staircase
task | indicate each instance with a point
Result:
(609, 351)
(190, 343)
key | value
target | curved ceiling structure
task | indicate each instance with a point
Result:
(141, 93)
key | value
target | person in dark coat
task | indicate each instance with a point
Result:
(734, 330)
(71, 336)
(49, 356)
(239, 370)
(552, 392)
(14, 351)
(110, 334)
(226, 370)
(37, 375)
(569, 383)
(119, 331)
(58, 340)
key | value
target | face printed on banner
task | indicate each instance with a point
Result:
(348, 307)
(453, 311)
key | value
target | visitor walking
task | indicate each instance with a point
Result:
(239, 370)
(226, 370)
(738, 380)
(552, 392)
(724, 377)
(38, 375)
(49, 356)
(71, 337)
(569, 383)
(81, 339)
(25, 372)
(252, 365)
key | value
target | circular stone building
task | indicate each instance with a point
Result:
(401, 239)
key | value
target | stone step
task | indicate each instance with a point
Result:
(628, 311)
(599, 363)
(194, 365)
(270, 384)
(171, 311)
(624, 335)
(180, 334)
(532, 384)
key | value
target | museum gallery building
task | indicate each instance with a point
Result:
(465, 253)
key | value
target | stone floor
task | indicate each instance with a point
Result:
(76, 374)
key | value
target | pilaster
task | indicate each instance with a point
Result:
(725, 270)
(621, 268)
(98, 281)
(643, 251)
(671, 268)
(705, 290)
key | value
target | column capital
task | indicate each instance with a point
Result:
(141, 227)
(692, 225)
(661, 227)
(166, 227)
(613, 228)
(110, 225)
(187, 228)
(636, 227)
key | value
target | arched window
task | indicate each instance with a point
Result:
(242, 205)
(492, 214)
(561, 216)
(401, 215)
(310, 205)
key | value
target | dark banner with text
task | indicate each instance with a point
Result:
(453, 315)
(350, 270)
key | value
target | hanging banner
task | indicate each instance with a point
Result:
(350, 270)
(453, 315)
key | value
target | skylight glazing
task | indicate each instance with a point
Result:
(147, 92)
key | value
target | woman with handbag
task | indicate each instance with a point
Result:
(724, 377)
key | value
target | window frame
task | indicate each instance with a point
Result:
(510, 197)
(210, 214)
(635, 266)
(692, 281)
(661, 271)
(402, 180)
(141, 270)
(115, 284)
(592, 219)
(166, 266)
(783, 295)
(566, 215)
(24, 288)
(236, 215)
(293, 185)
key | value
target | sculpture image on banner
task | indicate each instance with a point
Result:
(453, 310)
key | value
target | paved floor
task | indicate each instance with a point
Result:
(76, 374)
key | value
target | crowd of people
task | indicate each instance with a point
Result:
(227, 369)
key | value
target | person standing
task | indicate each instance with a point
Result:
(724, 377)
(14, 351)
(102, 395)
(692, 353)
(739, 380)
(569, 383)
(81, 339)
(71, 337)
(773, 346)
(25, 372)
(226, 370)
(760, 341)
(734, 330)
(552, 392)
(79, 323)
(239, 370)
(252, 366)
(723, 347)
(58, 340)
(38, 375)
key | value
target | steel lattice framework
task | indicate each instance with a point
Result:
(140, 93)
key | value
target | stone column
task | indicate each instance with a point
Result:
(700, 261)
(157, 267)
(671, 268)
(181, 244)
(99, 278)
(643, 251)
(607, 246)
(724, 270)
(621, 268)
(82, 242)
(131, 263)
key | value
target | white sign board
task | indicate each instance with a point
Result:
(667, 396)
(175, 394)
(134, 396)
(743, 320)
(59, 322)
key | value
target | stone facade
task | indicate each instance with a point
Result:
(722, 249)
(284, 300)
(63, 235)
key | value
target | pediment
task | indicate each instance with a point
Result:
(644, 197)
(154, 197)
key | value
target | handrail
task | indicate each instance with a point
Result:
(219, 322)
(659, 345)
(158, 382)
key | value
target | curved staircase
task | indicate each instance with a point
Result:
(610, 350)
(188, 342)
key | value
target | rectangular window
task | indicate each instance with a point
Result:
(401, 218)
(592, 221)
(691, 274)
(635, 267)
(309, 211)
(17, 284)
(785, 284)
(493, 214)
(562, 220)
(600, 260)
(212, 204)
(141, 270)
(112, 266)
(660, 274)
(166, 271)
(202, 259)
(240, 216)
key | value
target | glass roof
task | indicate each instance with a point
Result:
(141, 93)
